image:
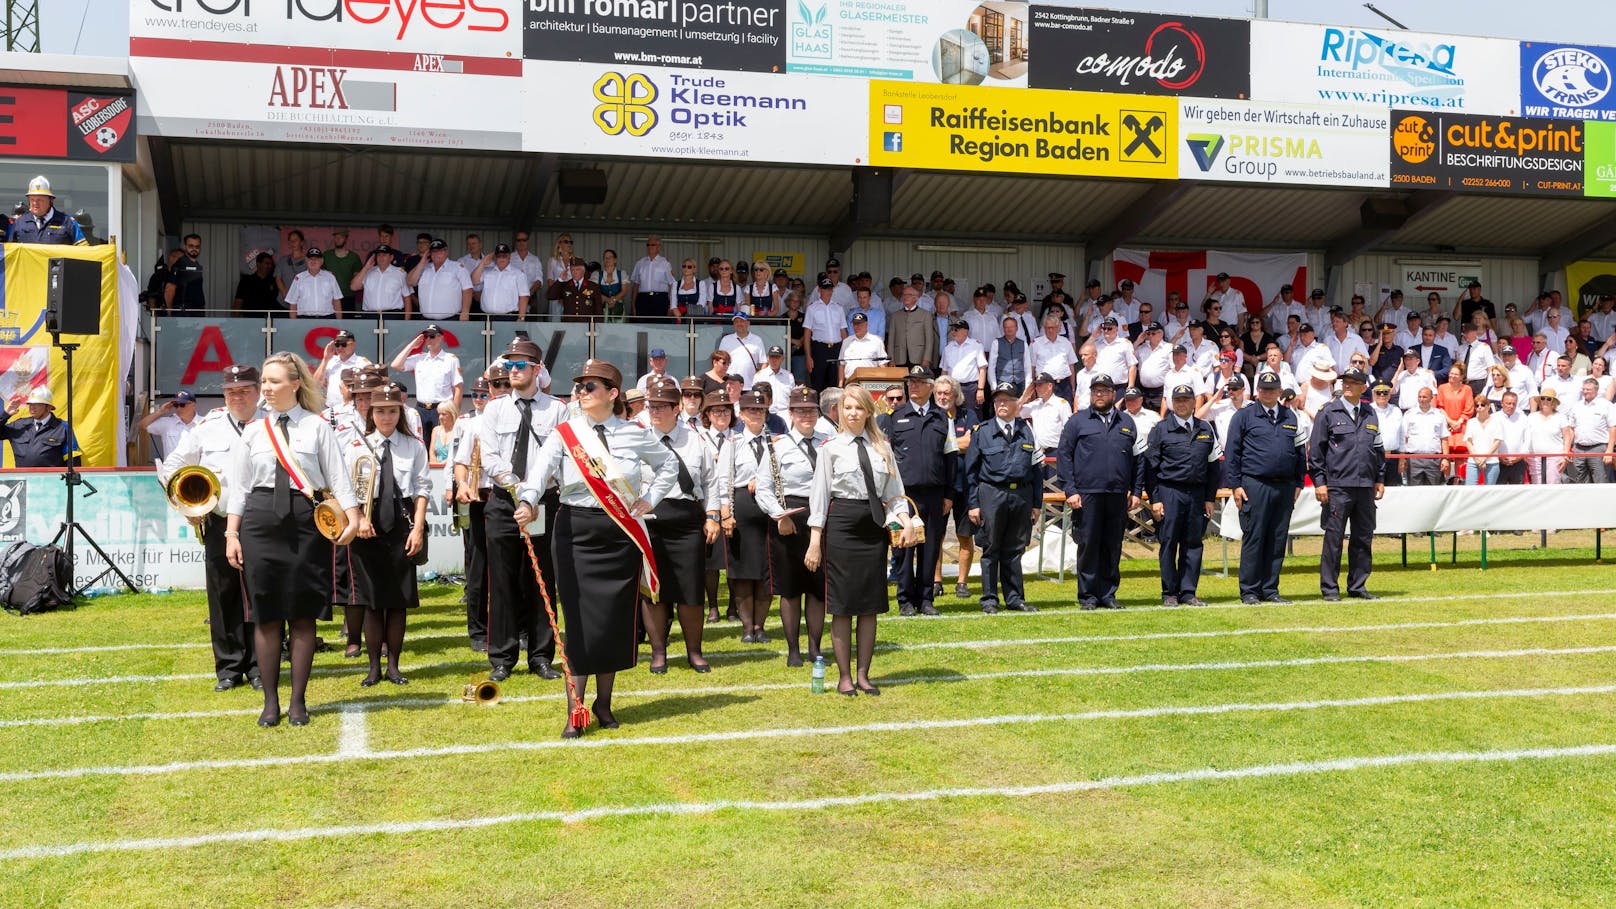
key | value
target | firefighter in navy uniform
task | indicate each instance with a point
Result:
(41, 439)
(1003, 480)
(921, 435)
(43, 222)
(1102, 479)
(1264, 463)
(1345, 455)
(1182, 476)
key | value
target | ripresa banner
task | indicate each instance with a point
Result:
(688, 113)
(1338, 65)
(699, 34)
(954, 42)
(1035, 131)
(1191, 273)
(1260, 142)
(1567, 80)
(1102, 50)
(1472, 153)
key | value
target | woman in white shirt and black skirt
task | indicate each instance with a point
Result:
(718, 431)
(598, 557)
(684, 524)
(282, 463)
(746, 528)
(857, 495)
(782, 493)
(397, 532)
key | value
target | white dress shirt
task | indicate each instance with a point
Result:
(1115, 358)
(1048, 419)
(638, 452)
(410, 475)
(963, 360)
(435, 375)
(825, 320)
(691, 450)
(796, 472)
(333, 376)
(313, 447)
(652, 276)
(839, 476)
(503, 289)
(746, 355)
(1054, 357)
(168, 430)
(211, 444)
(314, 294)
(497, 429)
(857, 352)
(385, 289)
(440, 290)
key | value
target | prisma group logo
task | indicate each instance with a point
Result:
(398, 20)
(623, 104)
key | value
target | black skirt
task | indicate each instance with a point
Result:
(680, 550)
(855, 560)
(387, 570)
(597, 571)
(749, 546)
(791, 577)
(352, 578)
(286, 564)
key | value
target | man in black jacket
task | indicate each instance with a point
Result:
(922, 438)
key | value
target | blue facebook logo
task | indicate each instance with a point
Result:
(892, 142)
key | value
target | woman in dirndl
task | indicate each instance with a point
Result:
(395, 534)
(282, 462)
(598, 565)
(746, 528)
(782, 493)
(857, 496)
(684, 524)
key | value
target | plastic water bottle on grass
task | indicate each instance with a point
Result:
(816, 682)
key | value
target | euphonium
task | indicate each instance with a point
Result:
(483, 693)
(193, 491)
(364, 481)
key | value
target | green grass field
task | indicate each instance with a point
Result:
(1451, 745)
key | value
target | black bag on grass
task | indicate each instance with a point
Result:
(34, 578)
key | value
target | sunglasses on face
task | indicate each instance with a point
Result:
(587, 388)
(480, 395)
(518, 364)
(501, 383)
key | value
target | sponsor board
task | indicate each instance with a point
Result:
(697, 114)
(54, 123)
(1599, 159)
(462, 33)
(748, 35)
(329, 103)
(1191, 273)
(954, 42)
(1099, 50)
(1449, 278)
(1254, 142)
(1567, 80)
(949, 127)
(1486, 154)
(1586, 281)
(1373, 67)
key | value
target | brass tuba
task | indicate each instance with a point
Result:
(483, 692)
(193, 491)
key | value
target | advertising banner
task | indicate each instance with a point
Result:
(1191, 273)
(1487, 154)
(129, 516)
(1599, 159)
(463, 35)
(948, 127)
(1101, 50)
(1257, 142)
(1586, 282)
(1313, 64)
(55, 123)
(1447, 277)
(1567, 80)
(955, 42)
(699, 34)
(641, 110)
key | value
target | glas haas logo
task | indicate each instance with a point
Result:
(1571, 77)
(624, 104)
(1421, 64)
(810, 33)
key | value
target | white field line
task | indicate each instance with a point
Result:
(973, 614)
(661, 692)
(936, 645)
(798, 732)
(689, 809)
(353, 735)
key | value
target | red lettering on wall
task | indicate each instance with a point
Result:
(211, 354)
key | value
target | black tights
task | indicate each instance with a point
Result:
(841, 640)
(752, 600)
(712, 596)
(267, 645)
(657, 626)
(353, 621)
(603, 694)
(791, 619)
(388, 625)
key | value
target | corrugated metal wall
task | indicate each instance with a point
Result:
(1504, 280)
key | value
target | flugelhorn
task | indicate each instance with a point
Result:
(482, 692)
(193, 491)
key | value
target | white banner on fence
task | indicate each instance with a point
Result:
(1383, 68)
(1255, 142)
(1444, 509)
(1191, 272)
(439, 31)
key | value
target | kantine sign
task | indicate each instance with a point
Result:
(1487, 154)
(1099, 50)
(745, 35)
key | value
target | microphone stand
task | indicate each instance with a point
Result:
(70, 527)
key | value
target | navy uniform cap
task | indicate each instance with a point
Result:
(1007, 388)
(919, 372)
(1132, 392)
(1102, 382)
(1269, 380)
(1183, 391)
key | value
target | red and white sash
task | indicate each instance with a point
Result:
(300, 480)
(599, 470)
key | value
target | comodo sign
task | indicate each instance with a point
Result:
(1100, 50)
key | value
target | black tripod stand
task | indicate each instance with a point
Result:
(71, 527)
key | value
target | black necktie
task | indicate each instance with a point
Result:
(694, 423)
(386, 489)
(283, 481)
(1004, 430)
(524, 432)
(757, 450)
(876, 512)
(686, 484)
(238, 427)
(807, 446)
(600, 430)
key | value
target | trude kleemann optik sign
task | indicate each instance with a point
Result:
(1487, 154)
(972, 128)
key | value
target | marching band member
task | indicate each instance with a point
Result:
(601, 545)
(857, 494)
(746, 527)
(395, 533)
(685, 524)
(473, 540)
(353, 585)
(718, 421)
(212, 445)
(782, 493)
(281, 462)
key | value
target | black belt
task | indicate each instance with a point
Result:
(587, 509)
(1011, 486)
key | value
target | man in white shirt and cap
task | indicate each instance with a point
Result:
(437, 375)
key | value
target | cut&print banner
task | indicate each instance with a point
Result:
(1256, 142)
(1102, 50)
(1191, 272)
(955, 42)
(1487, 154)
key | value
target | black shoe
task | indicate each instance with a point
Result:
(870, 690)
(1088, 605)
(849, 693)
(353, 652)
(543, 670)
(732, 615)
(1332, 598)
(479, 646)
(1023, 607)
(758, 637)
(1169, 601)
(906, 610)
(370, 681)
(607, 720)
(269, 721)
(499, 674)
(928, 609)
(1109, 603)
(571, 732)
(962, 591)
(702, 668)
(1363, 595)
(937, 589)
(297, 719)
(257, 683)
(990, 608)
(1192, 600)
(659, 670)
(1249, 600)
(1277, 600)
(226, 684)
(746, 637)
(397, 679)
(793, 661)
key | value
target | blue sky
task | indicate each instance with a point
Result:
(105, 30)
